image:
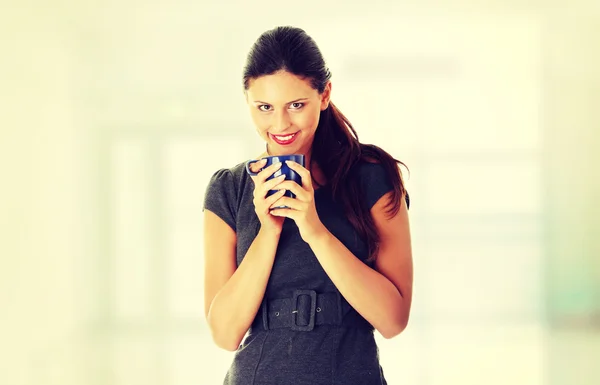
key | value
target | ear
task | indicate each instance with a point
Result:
(326, 96)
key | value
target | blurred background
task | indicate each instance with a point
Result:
(114, 114)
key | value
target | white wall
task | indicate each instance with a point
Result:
(78, 77)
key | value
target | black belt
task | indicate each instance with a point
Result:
(305, 310)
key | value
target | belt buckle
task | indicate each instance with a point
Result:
(313, 306)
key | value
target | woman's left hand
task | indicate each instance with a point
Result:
(302, 208)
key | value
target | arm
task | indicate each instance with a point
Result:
(382, 296)
(232, 296)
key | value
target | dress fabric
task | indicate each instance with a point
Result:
(345, 353)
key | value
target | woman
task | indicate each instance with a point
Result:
(313, 281)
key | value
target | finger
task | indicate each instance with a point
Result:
(262, 176)
(272, 183)
(263, 204)
(304, 173)
(267, 172)
(256, 166)
(274, 198)
(296, 189)
(288, 213)
(292, 203)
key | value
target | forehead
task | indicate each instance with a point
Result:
(280, 87)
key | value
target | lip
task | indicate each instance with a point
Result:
(285, 142)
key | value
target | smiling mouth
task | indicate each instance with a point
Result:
(284, 139)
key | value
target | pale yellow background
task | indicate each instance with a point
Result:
(114, 114)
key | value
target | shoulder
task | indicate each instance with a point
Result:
(373, 180)
(228, 177)
(223, 193)
(370, 170)
(376, 180)
(371, 173)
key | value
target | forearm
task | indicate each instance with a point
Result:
(234, 307)
(370, 293)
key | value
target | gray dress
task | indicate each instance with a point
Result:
(305, 332)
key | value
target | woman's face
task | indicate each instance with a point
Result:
(285, 110)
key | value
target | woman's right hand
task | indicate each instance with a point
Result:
(262, 203)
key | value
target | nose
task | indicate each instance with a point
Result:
(281, 122)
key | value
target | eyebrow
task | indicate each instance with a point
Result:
(293, 101)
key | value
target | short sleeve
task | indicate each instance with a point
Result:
(220, 197)
(375, 182)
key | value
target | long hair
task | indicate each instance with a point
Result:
(336, 148)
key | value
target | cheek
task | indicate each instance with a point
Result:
(260, 122)
(308, 120)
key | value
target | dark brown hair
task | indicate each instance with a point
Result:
(336, 148)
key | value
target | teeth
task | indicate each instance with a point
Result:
(284, 138)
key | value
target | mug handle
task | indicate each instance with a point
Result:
(248, 163)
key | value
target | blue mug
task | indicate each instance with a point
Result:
(288, 172)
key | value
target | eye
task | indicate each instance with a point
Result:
(297, 105)
(264, 105)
